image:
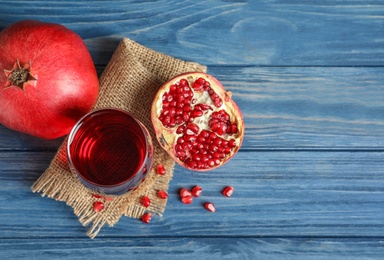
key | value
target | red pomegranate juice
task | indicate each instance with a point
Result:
(110, 151)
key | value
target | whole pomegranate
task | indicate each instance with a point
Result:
(47, 79)
(197, 122)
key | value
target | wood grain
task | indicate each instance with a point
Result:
(201, 248)
(279, 194)
(309, 184)
(290, 108)
(333, 33)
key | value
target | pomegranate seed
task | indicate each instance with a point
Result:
(185, 192)
(180, 129)
(204, 133)
(217, 161)
(210, 207)
(193, 127)
(160, 169)
(218, 102)
(146, 217)
(198, 85)
(232, 143)
(183, 82)
(187, 199)
(172, 89)
(228, 191)
(165, 119)
(108, 198)
(196, 191)
(211, 163)
(203, 107)
(196, 113)
(190, 138)
(179, 111)
(98, 206)
(97, 196)
(145, 201)
(162, 194)
(196, 157)
(233, 128)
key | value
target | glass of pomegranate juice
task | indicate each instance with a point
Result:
(110, 151)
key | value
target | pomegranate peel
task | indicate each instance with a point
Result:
(197, 122)
(48, 80)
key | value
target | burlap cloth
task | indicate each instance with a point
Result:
(130, 82)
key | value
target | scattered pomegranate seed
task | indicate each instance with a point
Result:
(160, 169)
(196, 191)
(162, 194)
(98, 206)
(185, 192)
(108, 198)
(228, 191)
(187, 199)
(146, 217)
(210, 207)
(145, 201)
(97, 196)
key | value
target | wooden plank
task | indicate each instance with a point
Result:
(277, 194)
(223, 32)
(11, 141)
(308, 108)
(196, 248)
(289, 108)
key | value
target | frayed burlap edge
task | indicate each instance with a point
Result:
(130, 81)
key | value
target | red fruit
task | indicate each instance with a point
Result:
(162, 194)
(210, 207)
(98, 206)
(228, 191)
(196, 191)
(187, 199)
(146, 217)
(197, 122)
(185, 192)
(160, 169)
(145, 201)
(47, 79)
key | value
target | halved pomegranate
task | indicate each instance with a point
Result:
(197, 122)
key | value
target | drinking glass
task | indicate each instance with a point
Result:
(110, 151)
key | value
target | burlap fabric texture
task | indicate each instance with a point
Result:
(130, 82)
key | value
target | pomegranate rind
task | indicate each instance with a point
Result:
(167, 136)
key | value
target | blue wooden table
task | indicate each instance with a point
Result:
(309, 179)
